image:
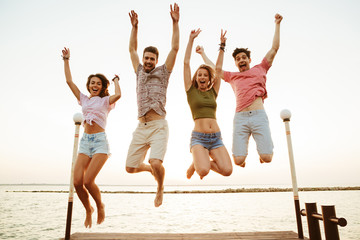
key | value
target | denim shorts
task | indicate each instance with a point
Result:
(91, 144)
(253, 123)
(207, 140)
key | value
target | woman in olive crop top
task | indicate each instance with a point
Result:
(207, 148)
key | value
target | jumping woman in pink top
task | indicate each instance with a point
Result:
(94, 147)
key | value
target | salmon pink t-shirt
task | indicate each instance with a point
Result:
(95, 109)
(248, 85)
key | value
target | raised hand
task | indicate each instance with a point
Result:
(66, 53)
(199, 49)
(116, 78)
(133, 18)
(222, 37)
(278, 18)
(175, 13)
(194, 33)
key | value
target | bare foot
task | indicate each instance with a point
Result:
(242, 165)
(159, 197)
(190, 171)
(101, 214)
(88, 220)
(261, 161)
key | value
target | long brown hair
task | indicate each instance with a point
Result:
(211, 72)
(104, 81)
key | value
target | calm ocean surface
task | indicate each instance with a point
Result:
(28, 215)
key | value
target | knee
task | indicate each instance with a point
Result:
(266, 157)
(203, 172)
(239, 160)
(227, 172)
(130, 170)
(155, 163)
(87, 184)
(78, 182)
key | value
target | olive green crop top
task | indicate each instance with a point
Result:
(202, 104)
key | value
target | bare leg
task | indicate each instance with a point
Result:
(158, 171)
(88, 218)
(265, 158)
(190, 171)
(142, 168)
(201, 160)
(221, 161)
(96, 163)
(240, 160)
(82, 163)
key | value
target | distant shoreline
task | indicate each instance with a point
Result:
(228, 190)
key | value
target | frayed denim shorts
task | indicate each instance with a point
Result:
(91, 144)
(207, 140)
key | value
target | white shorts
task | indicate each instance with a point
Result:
(154, 135)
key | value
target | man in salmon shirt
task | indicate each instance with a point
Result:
(249, 85)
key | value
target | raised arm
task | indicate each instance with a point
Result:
(276, 41)
(207, 61)
(133, 40)
(187, 70)
(175, 16)
(219, 62)
(70, 83)
(117, 95)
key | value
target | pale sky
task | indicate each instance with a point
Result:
(314, 74)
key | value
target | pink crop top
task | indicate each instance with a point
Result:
(248, 85)
(95, 109)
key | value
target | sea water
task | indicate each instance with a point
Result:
(41, 214)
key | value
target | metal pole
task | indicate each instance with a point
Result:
(285, 115)
(78, 120)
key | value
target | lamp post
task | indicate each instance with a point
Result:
(78, 118)
(285, 116)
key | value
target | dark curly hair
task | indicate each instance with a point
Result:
(239, 50)
(104, 81)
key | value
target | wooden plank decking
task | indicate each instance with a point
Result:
(275, 235)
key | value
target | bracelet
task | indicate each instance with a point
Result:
(65, 58)
(116, 77)
(222, 47)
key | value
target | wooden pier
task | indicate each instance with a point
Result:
(273, 235)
